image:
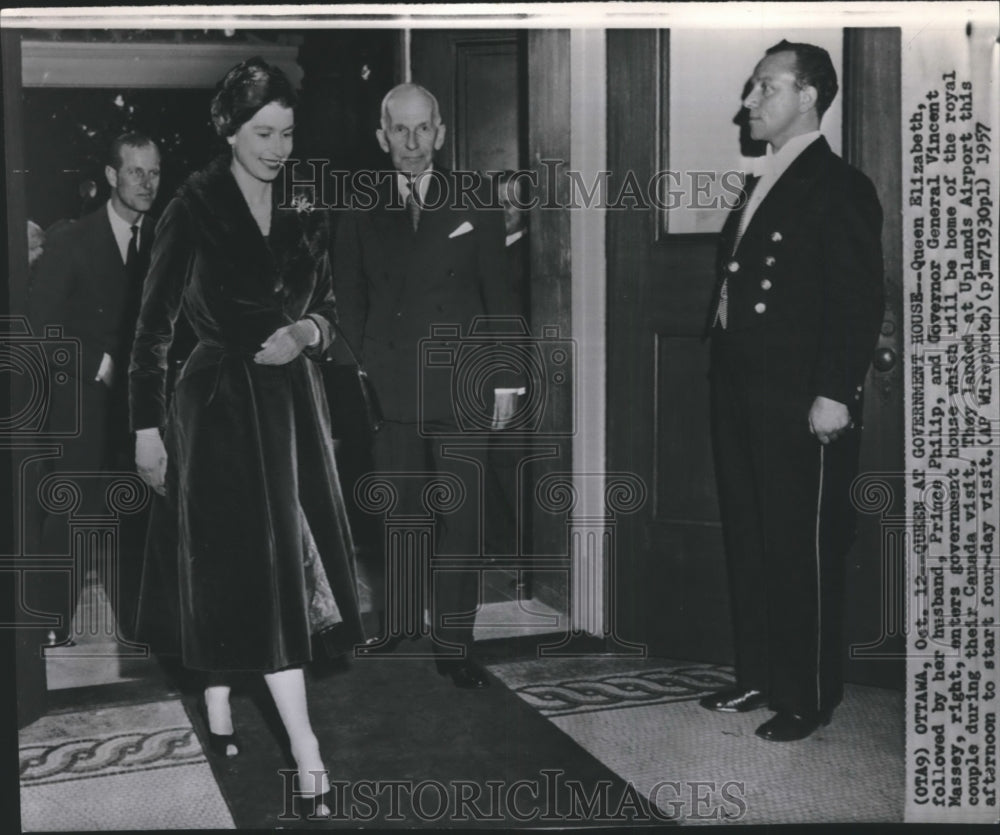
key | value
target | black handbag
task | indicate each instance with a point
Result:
(355, 412)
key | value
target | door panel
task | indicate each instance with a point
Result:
(487, 106)
(659, 289)
(685, 489)
(477, 79)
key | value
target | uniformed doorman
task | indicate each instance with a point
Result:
(795, 318)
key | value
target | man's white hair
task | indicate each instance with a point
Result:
(399, 89)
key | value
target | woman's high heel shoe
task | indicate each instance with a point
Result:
(226, 746)
(312, 779)
(317, 806)
(223, 746)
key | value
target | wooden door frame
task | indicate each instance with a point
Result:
(873, 143)
(28, 682)
(635, 59)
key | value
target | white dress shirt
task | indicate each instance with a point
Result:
(770, 168)
(122, 230)
(423, 181)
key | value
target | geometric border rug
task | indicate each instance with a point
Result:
(642, 720)
(117, 768)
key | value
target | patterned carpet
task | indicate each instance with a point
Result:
(642, 720)
(141, 766)
(135, 767)
(129, 767)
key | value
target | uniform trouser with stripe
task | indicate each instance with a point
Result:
(787, 525)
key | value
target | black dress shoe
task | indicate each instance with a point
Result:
(317, 806)
(786, 726)
(220, 746)
(466, 674)
(386, 645)
(734, 700)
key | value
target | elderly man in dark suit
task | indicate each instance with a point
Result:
(796, 315)
(89, 281)
(424, 255)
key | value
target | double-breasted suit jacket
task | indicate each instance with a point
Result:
(252, 488)
(805, 302)
(393, 285)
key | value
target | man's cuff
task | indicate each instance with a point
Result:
(521, 390)
(104, 369)
(151, 432)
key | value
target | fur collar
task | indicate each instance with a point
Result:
(285, 262)
(216, 201)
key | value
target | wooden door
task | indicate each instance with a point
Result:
(478, 79)
(674, 594)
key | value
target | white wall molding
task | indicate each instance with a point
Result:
(588, 156)
(144, 65)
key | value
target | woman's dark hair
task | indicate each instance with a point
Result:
(248, 87)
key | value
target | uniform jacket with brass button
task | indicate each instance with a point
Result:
(804, 282)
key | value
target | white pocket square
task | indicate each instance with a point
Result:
(461, 230)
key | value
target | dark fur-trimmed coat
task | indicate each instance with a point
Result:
(250, 457)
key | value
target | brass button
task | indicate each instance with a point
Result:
(765, 284)
(776, 236)
(760, 307)
(733, 266)
(769, 261)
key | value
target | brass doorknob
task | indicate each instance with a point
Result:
(884, 359)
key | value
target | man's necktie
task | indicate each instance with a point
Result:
(132, 254)
(414, 208)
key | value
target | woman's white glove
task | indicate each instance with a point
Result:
(286, 343)
(151, 458)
